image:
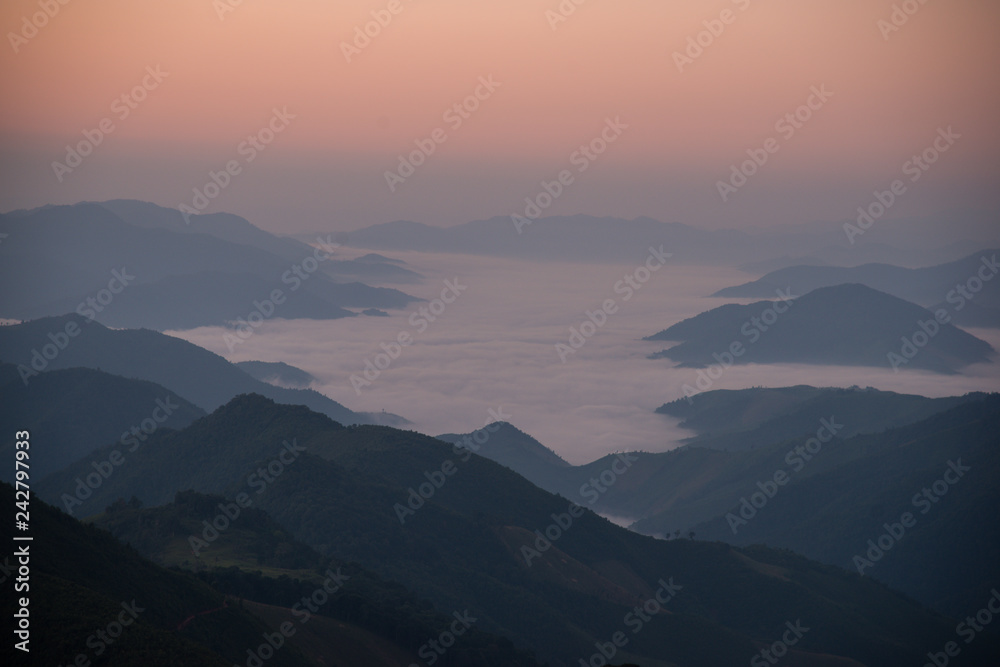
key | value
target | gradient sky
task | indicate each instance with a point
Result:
(325, 171)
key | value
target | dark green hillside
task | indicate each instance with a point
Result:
(464, 548)
(256, 559)
(81, 576)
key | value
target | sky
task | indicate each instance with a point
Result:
(212, 73)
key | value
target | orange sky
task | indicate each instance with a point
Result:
(607, 59)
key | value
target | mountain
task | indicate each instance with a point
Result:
(471, 544)
(83, 586)
(76, 410)
(581, 238)
(257, 560)
(87, 259)
(851, 325)
(751, 431)
(748, 418)
(965, 288)
(838, 495)
(515, 449)
(277, 372)
(82, 579)
(236, 229)
(200, 376)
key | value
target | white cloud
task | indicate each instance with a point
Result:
(495, 346)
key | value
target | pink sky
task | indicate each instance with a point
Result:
(557, 87)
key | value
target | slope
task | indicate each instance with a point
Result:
(256, 559)
(471, 543)
(76, 410)
(82, 581)
(202, 377)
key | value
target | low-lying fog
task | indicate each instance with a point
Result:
(495, 347)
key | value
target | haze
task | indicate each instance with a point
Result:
(227, 71)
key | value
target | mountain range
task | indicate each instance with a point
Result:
(884, 449)
(965, 288)
(851, 325)
(906, 241)
(192, 372)
(471, 544)
(131, 264)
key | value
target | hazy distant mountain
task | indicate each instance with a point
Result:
(278, 373)
(222, 298)
(576, 238)
(161, 277)
(851, 325)
(202, 377)
(464, 547)
(77, 410)
(935, 287)
(235, 229)
(769, 265)
(748, 418)
(588, 238)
